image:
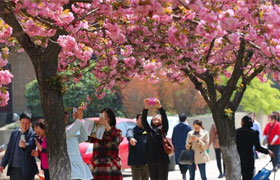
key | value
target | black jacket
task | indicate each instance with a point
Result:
(154, 148)
(246, 138)
(136, 154)
(28, 165)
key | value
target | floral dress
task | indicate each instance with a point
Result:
(105, 157)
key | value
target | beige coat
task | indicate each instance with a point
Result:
(214, 137)
(199, 147)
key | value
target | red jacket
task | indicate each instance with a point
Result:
(271, 130)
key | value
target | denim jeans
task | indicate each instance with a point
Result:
(202, 170)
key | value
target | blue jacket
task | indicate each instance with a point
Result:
(136, 154)
(179, 137)
(28, 164)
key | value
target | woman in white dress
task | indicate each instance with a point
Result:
(75, 134)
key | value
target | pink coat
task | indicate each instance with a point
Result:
(43, 154)
(214, 137)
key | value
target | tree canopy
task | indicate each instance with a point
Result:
(143, 38)
(261, 97)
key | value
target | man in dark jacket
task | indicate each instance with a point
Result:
(22, 166)
(179, 137)
(137, 138)
(246, 138)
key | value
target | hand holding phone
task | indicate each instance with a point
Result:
(152, 101)
(22, 137)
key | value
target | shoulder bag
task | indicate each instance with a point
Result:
(167, 144)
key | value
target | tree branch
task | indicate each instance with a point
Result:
(24, 40)
(245, 81)
(236, 74)
(210, 49)
(85, 15)
(198, 85)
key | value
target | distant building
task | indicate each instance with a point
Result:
(22, 69)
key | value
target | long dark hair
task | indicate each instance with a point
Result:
(111, 115)
(198, 122)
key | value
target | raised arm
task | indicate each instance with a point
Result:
(145, 122)
(72, 129)
(83, 134)
(164, 119)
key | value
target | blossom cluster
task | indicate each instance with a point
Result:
(151, 38)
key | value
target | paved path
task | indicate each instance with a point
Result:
(212, 171)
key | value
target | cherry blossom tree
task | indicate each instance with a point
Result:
(200, 39)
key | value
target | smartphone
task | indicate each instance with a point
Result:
(152, 101)
(101, 115)
(75, 110)
(22, 137)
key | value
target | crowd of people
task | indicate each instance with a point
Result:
(148, 157)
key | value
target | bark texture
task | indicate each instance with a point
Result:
(44, 61)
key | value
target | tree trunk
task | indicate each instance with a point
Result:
(226, 132)
(53, 110)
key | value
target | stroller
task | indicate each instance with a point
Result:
(264, 173)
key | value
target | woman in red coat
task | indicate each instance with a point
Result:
(272, 136)
(105, 157)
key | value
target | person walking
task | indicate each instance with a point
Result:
(198, 141)
(246, 138)
(41, 144)
(137, 138)
(179, 137)
(75, 134)
(257, 127)
(22, 166)
(157, 159)
(105, 157)
(272, 136)
(216, 145)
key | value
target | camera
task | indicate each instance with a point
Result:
(152, 101)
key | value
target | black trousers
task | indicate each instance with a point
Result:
(158, 171)
(16, 174)
(183, 168)
(46, 174)
(219, 160)
(247, 168)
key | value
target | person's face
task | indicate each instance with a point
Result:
(36, 130)
(196, 128)
(25, 124)
(41, 132)
(106, 116)
(139, 122)
(270, 120)
(157, 120)
(252, 117)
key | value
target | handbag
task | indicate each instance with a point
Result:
(167, 144)
(186, 156)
